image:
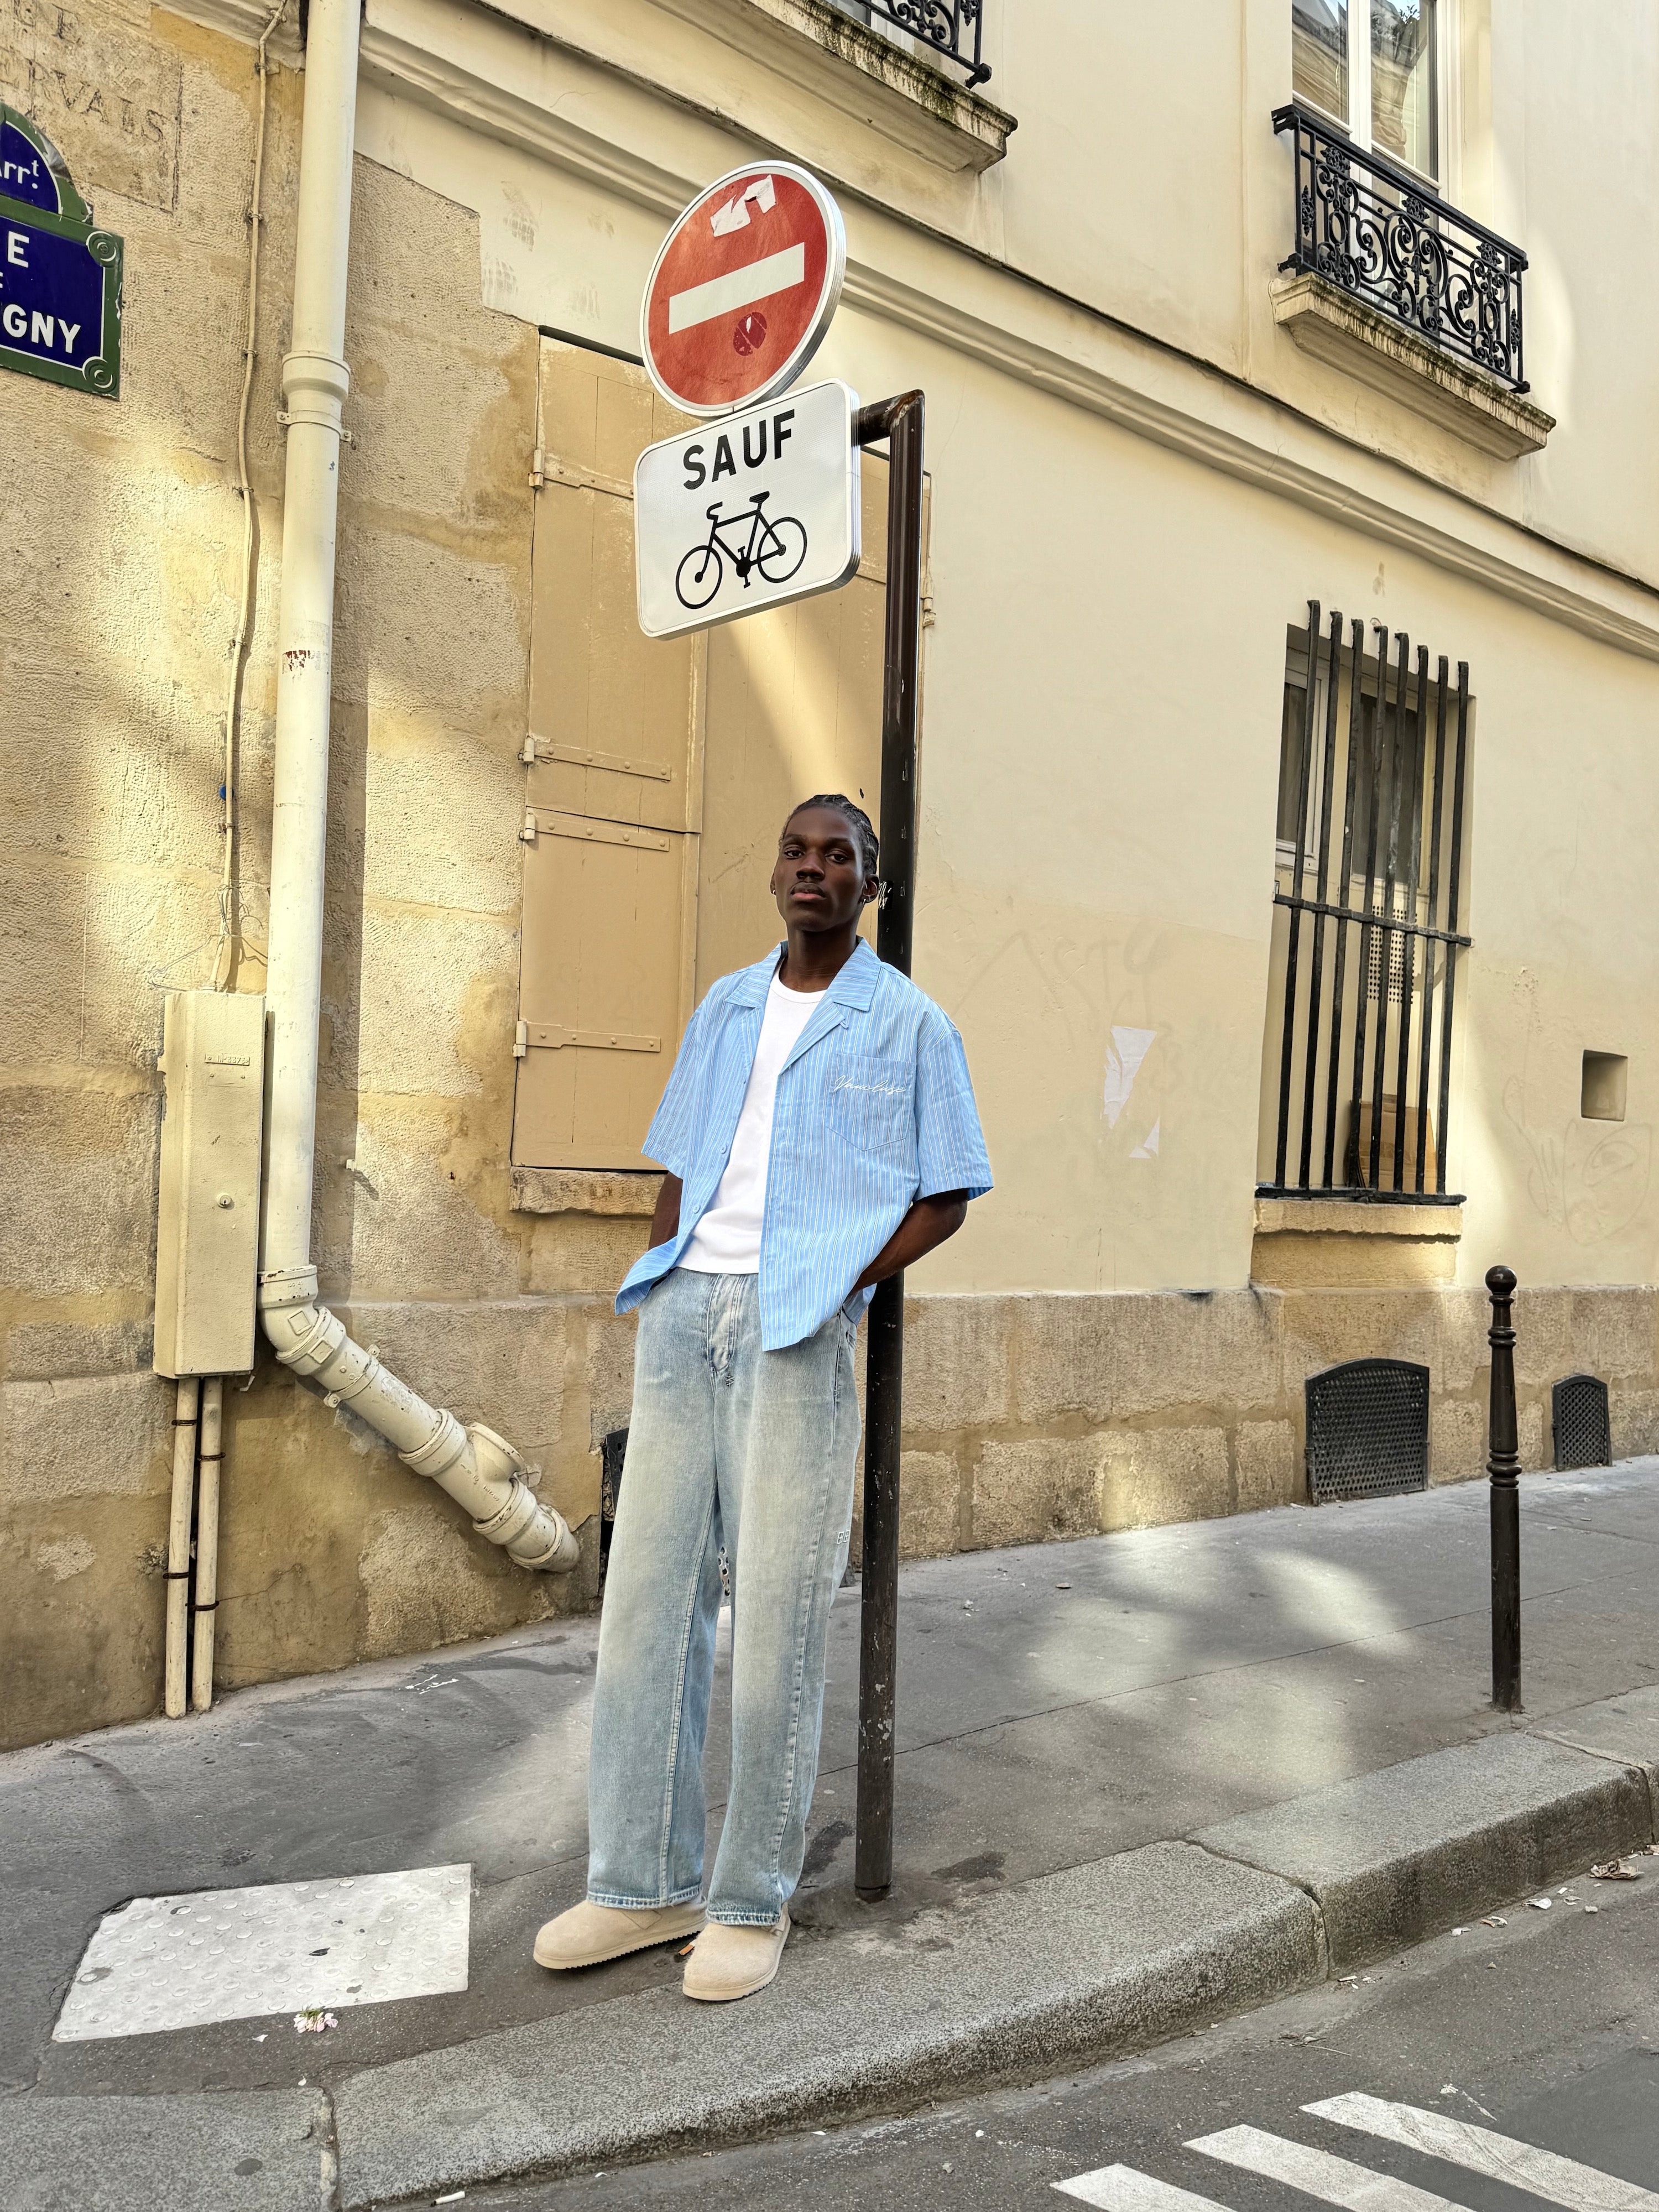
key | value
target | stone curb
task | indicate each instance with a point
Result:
(1394, 1856)
(1073, 1967)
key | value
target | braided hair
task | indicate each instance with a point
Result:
(864, 830)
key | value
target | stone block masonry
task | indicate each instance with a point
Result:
(1044, 1416)
(113, 658)
(1029, 1418)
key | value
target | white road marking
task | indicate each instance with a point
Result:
(739, 287)
(1317, 2174)
(1480, 2150)
(185, 1961)
(1122, 2189)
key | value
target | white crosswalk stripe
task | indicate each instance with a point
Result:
(1481, 2150)
(1313, 2172)
(1318, 2173)
(1125, 2189)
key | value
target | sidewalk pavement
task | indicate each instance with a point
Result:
(1143, 1780)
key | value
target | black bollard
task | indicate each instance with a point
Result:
(1504, 1470)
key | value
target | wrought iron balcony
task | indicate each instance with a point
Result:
(952, 29)
(1385, 237)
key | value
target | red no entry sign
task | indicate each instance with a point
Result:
(743, 290)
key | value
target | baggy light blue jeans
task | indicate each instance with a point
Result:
(728, 1446)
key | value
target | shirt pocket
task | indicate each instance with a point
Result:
(872, 1105)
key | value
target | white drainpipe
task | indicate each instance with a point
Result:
(479, 1469)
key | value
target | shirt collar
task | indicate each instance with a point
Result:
(855, 986)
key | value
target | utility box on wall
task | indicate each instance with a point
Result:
(207, 1243)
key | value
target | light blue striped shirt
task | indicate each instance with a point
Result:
(874, 1109)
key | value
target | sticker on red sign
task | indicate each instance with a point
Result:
(743, 289)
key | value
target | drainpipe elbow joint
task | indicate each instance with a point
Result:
(304, 1335)
(530, 1532)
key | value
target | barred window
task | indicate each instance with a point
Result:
(1369, 901)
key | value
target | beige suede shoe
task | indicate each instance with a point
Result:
(734, 1962)
(588, 1935)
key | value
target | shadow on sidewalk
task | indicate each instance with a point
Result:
(1057, 1704)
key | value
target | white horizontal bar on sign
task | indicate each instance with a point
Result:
(545, 1038)
(1124, 2189)
(739, 287)
(598, 833)
(1318, 2173)
(1481, 2150)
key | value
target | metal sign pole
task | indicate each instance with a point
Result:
(898, 420)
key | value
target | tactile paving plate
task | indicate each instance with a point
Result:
(212, 1954)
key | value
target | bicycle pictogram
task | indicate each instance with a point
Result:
(775, 546)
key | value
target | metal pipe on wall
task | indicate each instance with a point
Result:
(186, 1392)
(315, 381)
(205, 1590)
(899, 421)
(477, 1467)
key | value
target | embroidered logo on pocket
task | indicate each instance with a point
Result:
(873, 1109)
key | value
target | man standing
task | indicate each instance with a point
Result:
(820, 1134)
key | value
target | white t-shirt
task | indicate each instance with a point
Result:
(727, 1239)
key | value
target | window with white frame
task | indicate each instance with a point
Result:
(1375, 67)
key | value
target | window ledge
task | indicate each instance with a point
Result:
(1326, 323)
(585, 1190)
(865, 74)
(1324, 1216)
(1347, 1244)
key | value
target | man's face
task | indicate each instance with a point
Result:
(819, 882)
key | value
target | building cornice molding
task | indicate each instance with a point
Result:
(1633, 629)
(402, 66)
(863, 73)
(1489, 549)
(244, 19)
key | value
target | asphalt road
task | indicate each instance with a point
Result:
(1545, 2031)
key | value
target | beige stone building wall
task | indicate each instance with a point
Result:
(113, 646)
(1138, 481)
(1038, 1417)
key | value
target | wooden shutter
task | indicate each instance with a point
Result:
(613, 757)
(794, 706)
(659, 775)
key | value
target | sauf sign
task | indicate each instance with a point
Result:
(60, 276)
(761, 504)
(760, 507)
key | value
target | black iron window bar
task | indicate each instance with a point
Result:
(952, 29)
(1370, 884)
(1386, 237)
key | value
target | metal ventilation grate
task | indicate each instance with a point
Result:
(1578, 1409)
(1368, 1429)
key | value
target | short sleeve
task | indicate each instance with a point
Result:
(669, 1140)
(950, 1143)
